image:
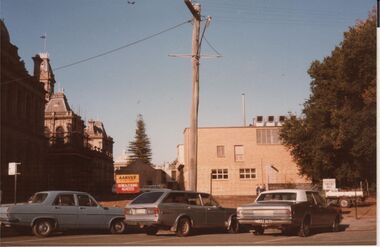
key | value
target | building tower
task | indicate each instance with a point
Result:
(44, 73)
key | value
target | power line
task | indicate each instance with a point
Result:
(121, 47)
(212, 47)
(104, 53)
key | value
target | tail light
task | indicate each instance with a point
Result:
(155, 211)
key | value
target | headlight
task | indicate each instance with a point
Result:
(127, 211)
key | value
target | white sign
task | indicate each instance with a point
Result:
(12, 168)
(329, 184)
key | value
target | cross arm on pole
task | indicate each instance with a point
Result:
(194, 12)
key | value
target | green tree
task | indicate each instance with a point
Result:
(139, 149)
(336, 134)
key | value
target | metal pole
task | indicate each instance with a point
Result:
(243, 104)
(15, 195)
(356, 206)
(211, 183)
(193, 135)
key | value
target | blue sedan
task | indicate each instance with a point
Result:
(48, 211)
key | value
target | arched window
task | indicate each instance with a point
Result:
(47, 132)
(59, 135)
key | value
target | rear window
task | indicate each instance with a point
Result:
(147, 197)
(38, 198)
(281, 196)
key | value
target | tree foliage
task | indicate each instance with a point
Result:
(140, 149)
(336, 135)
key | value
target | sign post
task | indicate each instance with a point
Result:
(12, 171)
(328, 184)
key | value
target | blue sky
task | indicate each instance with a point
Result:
(267, 48)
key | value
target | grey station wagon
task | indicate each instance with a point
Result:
(179, 211)
(48, 211)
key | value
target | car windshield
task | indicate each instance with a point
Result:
(277, 196)
(38, 198)
(147, 197)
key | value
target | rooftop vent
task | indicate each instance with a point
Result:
(280, 120)
(270, 121)
(259, 121)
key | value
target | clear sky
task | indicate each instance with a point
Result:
(267, 48)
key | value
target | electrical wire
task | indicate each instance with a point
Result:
(105, 53)
(212, 47)
(121, 47)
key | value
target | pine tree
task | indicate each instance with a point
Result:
(139, 149)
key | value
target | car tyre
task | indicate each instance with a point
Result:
(42, 228)
(345, 203)
(304, 230)
(117, 226)
(152, 230)
(234, 226)
(259, 230)
(335, 224)
(183, 227)
(287, 231)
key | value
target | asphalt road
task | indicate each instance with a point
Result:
(353, 232)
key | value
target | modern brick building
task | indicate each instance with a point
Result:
(234, 160)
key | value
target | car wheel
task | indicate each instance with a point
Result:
(287, 231)
(259, 230)
(335, 224)
(345, 203)
(234, 226)
(151, 230)
(117, 226)
(42, 228)
(183, 227)
(305, 228)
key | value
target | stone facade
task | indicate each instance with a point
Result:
(22, 124)
(234, 160)
(79, 157)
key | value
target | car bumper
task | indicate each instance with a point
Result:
(8, 222)
(267, 222)
(141, 223)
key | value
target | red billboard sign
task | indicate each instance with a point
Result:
(127, 188)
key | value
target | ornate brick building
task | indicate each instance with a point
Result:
(40, 131)
(22, 124)
(79, 157)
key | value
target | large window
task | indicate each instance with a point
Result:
(239, 153)
(219, 173)
(220, 151)
(268, 136)
(247, 173)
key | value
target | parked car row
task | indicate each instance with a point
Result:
(181, 212)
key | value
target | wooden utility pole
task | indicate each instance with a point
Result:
(193, 135)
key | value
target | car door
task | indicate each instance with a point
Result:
(65, 210)
(326, 215)
(90, 214)
(313, 210)
(195, 209)
(215, 215)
